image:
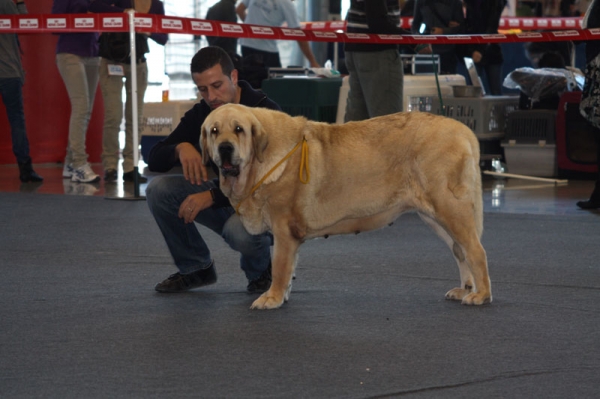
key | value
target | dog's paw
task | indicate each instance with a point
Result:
(476, 298)
(266, 301)
(457, 294)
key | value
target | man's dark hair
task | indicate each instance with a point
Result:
(210, 56)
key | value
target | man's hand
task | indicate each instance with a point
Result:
(193, 204)
(476, 57)
(191, 161)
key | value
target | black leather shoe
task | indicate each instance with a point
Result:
(588, 204)
(184, 282)
(260, 284)
(129, 176)
(594, 201)
(110, 175)
(27, 174)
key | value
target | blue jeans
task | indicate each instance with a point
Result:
(165, 194)
(11, 90)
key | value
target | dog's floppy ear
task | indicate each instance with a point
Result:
(204, 144)
(259, 140)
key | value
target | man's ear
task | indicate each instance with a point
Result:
(259, 140)
(204, 145)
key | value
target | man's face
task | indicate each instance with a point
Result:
(215, 87)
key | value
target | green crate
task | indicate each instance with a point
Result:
(314, 98)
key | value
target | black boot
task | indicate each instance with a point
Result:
(594, 201)
(27, 174)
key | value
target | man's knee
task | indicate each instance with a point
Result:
(159, 189)
(238, 238)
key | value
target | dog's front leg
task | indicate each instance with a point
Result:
(285, 250)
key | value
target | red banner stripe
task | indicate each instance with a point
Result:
(61, 23)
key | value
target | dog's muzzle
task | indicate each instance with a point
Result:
(226, 151)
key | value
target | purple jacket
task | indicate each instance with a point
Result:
(81, 44)
(115, 6)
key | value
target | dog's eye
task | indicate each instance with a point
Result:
(214, 130)
(239, 129)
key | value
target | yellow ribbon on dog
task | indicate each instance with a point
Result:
(303, 170)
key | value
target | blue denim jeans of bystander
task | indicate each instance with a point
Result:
(165, 194)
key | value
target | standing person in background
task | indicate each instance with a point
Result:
(270, 13)
(376, 70)
(224, 11)
(78, 63)
(590, 98)
(440, 17)
(12, 77)
(111, 82)
(483, 16)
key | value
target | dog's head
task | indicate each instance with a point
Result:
(232, 137)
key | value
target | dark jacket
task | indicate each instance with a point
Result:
(163, 157)
(592, 47)
(373, 16)
(224, 11)
(483, 16)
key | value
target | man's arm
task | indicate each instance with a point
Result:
(164, 155)
(305, 48)
(240, 10)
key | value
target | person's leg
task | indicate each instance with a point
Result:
(142, 83)
(594, 201)
(382, 82)
(11, 90)
(111, 87)
(255, 249)
(356, 107)
(72, 71)
(164, 195)
(494, 76)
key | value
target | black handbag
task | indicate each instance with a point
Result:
(114, 46)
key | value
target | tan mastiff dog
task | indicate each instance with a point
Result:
(302, 179)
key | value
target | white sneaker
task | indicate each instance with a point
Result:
(84, 174)
(67, 171)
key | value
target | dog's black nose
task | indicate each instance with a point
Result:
(225, 150)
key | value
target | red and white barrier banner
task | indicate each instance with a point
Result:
(66, 23)
(521, 23)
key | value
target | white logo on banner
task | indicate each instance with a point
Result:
(262, 30)
(202, 26)
(29, 23)
(85, 23)
(232, 28)
(293, 32)
(172, 24)
(112, 22)
(142, 22)
(5, 24)
(57, 23)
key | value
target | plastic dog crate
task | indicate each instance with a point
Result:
(531, 126)
(314, 98)
(486, 116)
(575, 143)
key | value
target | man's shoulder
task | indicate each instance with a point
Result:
(255, 98)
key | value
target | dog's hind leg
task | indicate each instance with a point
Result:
(459, 231)
(466, 280)
(285, 250)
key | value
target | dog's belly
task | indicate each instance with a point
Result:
(357, 225)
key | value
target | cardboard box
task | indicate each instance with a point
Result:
(160, 119)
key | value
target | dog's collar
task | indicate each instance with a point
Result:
(303, 173)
